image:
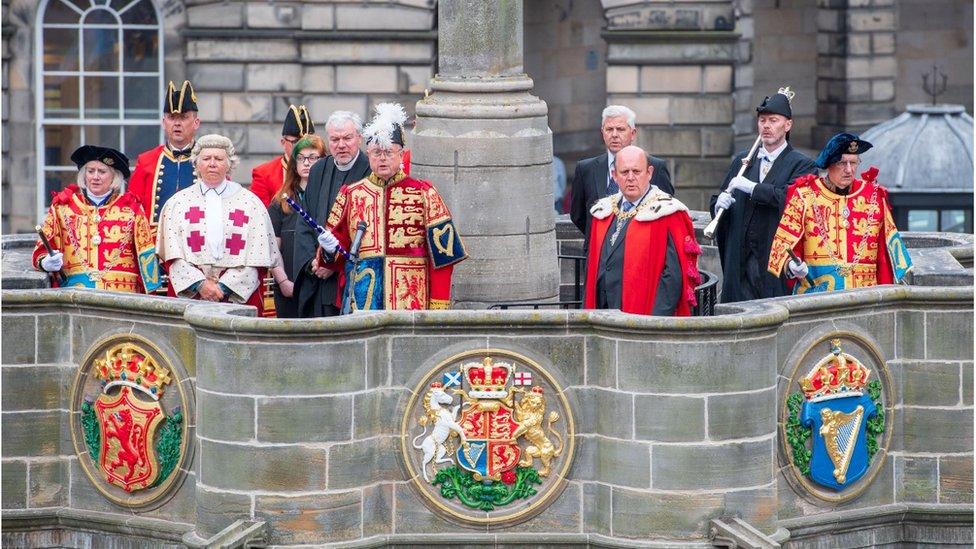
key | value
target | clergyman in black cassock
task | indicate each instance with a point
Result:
(746, 230)
(316, 297)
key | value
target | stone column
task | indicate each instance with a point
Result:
(856, 65)
(483, 139)
(744, 78)
(673, 64)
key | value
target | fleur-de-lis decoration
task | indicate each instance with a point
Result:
(936, 88)
(790, 94)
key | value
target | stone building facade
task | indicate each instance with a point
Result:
(692, 71)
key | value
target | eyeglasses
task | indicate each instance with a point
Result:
(310, 159)
(382, 154)
(290, 139)
(852, 164)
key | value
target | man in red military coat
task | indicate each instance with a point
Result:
(267, 178)
(642, 254)
(165, 170)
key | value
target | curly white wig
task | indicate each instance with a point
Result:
(215, 141)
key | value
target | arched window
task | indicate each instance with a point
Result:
(99, 79)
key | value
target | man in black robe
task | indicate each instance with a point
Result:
(594, 176)
(316, 286)
(754, 203)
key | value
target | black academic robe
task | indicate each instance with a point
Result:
(316, 297)
(590, 185)
(746, 231)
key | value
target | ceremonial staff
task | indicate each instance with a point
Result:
(50, 251)
(351, 255)
(311, 223)
(709, 231)
(353, 259)
(797, 260)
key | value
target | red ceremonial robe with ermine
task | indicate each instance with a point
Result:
(645, 242)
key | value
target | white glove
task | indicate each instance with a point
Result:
(741, 183)
(328, 241)
(724, 201)
(798, 270)
(53, 263)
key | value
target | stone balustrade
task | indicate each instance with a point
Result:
(296, 422)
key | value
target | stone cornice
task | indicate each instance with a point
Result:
(309, 35)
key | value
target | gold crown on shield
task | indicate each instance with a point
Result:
(127, 365)
(487, 375)
(835, 375)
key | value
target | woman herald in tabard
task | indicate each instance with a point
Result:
(306, 152)
(215, 237)
(94, 235)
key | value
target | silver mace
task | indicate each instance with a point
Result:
(709, 231)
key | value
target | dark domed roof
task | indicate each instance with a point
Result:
(929, 148)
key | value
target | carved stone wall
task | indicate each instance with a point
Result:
(250, 60)
(674, 64)
(677, 420)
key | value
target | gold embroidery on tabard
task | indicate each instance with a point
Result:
(446, 246)
(405, 218)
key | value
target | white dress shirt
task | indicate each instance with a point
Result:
(767, 158)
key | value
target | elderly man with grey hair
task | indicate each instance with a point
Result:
(215, 237)
(315, 285)
(594, 177)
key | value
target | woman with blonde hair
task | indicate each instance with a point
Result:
(307, 151)
(95, 235)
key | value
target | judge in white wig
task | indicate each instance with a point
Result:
(215, 237)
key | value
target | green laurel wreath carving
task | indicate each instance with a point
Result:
(93, 434)
(168, 445)
(485, 495)
(797, 435)
(876, 424)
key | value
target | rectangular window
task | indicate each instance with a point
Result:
(955, 221)
(923, 220)
(100, 76)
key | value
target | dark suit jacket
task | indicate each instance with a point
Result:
(746, 231)
(590, 185)
(321, 192)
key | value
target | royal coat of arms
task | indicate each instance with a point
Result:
(483, 440)
(133, 443)
(834, 421)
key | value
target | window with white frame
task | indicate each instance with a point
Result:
(100, 79)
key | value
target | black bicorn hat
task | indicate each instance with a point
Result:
(179, 100)
(298, 122)
(106, 155)
(778, 103)
(838, 146)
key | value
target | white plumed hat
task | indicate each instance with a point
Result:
(386, 128)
